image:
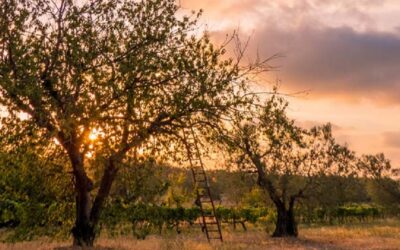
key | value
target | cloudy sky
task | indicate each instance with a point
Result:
(344, 53)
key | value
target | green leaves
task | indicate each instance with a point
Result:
(34, 195)
(114, 65)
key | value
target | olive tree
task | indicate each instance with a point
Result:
(378, 171)
(286, 158)
(131, 71)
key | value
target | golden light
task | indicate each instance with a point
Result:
(140, 151)
(56, 141)
(89, 155)
(95, 134)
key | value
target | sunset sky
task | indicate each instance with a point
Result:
(344, 53)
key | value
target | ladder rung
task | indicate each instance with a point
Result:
(201, 196)
(213, 231)
(204, 198)
(209, 217)
(205, 194)
(212, 223)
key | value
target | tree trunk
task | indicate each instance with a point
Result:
(87, 216)
(286, 225)
(104, 190)
(83, 230)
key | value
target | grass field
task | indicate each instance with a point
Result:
(377, 235)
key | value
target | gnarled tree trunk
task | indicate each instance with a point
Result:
(286, 225)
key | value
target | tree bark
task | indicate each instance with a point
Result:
(286, 225)
(83, 231)
(105, 188)
(87, 216)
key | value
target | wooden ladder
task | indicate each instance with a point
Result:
(210, 223)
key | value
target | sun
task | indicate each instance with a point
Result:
(95, 134)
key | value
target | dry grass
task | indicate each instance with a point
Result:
(383, 235)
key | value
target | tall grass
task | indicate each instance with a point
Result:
(384, 234)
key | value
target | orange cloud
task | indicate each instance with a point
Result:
(346, 53)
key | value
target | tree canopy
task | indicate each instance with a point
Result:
(288, 160)
(132, 70)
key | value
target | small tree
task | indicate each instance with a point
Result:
(287, 159)
(380, 183)
(131, 71)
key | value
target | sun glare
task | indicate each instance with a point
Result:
(95, 134)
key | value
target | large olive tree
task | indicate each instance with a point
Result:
(131, 70)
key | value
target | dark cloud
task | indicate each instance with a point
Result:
(335, 61)
(331, 47)
(341, 49)
(392, 139)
